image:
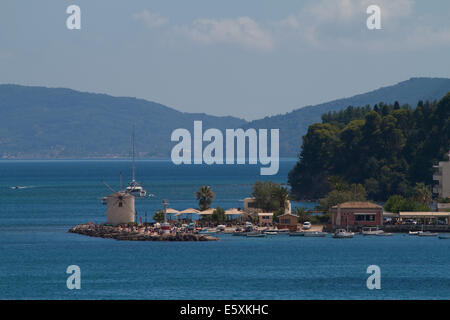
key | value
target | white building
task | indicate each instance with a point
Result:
(442, 176)
(119, 208)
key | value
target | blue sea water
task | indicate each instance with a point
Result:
(35, 248)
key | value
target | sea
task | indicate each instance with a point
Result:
(36, 249)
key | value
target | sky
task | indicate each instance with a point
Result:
(245, 58)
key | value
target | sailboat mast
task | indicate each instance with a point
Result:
(134, 166)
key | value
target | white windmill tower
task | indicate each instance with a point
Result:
(119, 207)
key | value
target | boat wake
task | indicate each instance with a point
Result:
(21, 187)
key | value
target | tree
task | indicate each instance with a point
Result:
(354, 192)
(205, 196)
(302, 214)
(422, 194)
(397, 203)
(218, 215)
(388, 149)
(281, 195)
(158, 216)
(270, 196)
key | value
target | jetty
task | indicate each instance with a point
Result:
(135, 233)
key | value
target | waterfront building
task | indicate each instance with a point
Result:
(431, 217)
(265, 218)
(442, 176)
(356, 213)
(288, 221)
(120, 208)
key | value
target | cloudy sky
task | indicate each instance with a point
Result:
(247, 58)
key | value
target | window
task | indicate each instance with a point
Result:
(365, 217)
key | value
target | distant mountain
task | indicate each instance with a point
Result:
(293, 125)
(39, 122)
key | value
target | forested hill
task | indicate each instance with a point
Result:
(386, 148)
(293, 125)
(40, 122)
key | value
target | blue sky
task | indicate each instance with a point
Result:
(247, 58)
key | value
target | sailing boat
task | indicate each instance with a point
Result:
(134, 188)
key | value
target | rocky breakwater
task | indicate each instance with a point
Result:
(135, 233)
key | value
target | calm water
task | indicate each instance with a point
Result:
(36, 248)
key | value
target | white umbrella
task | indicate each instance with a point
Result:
(189, 211)
(206, 212)
(172, 211)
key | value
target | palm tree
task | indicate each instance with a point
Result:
(204, 196)
(281, 196)
(302, 214)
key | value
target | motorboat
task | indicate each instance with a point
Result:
(427, 234)
(343, 234)
(371, 231)
(444, 236)
(414, 233)
(271, 233)
(221, 228)
(134, 188)
(315, 234)
(384, 234)
(282, 231)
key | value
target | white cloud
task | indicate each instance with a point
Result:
(151, 20)
(321, 24)
(331, 25)
(242, 30)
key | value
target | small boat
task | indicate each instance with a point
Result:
(221, 228)
(371, 231)
(444, 236)
(413, 233)
(134, 188)
(384, 234)
(207, 232)
(271, 233)
(239, 233)
(343, 234)
(282, 231)
(297, 234)
(315, 234)
(427, 234)
(17, 187)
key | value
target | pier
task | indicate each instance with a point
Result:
(135, 233)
